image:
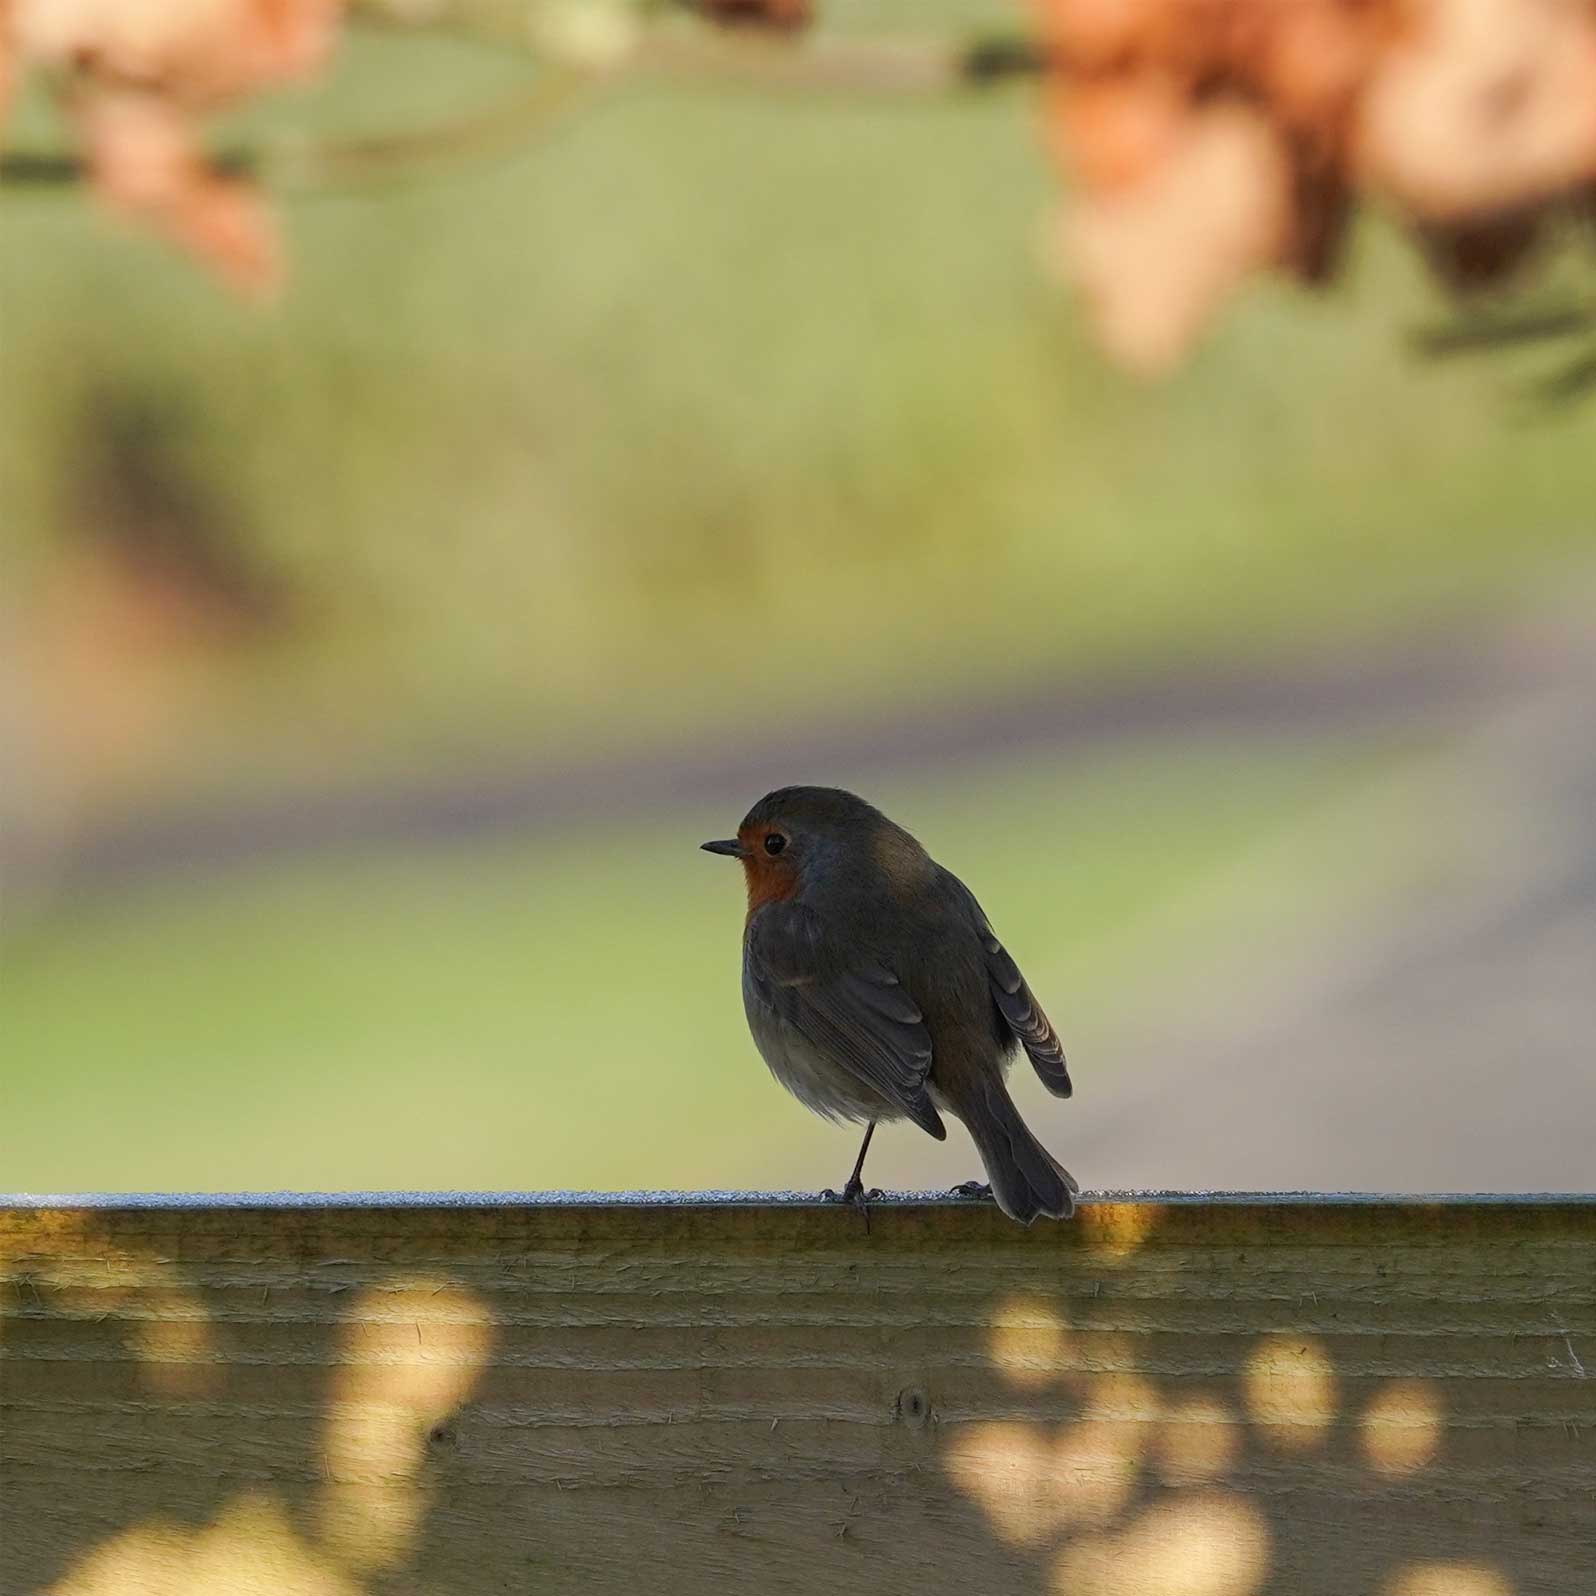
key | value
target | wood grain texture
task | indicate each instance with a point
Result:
(1217, 1398)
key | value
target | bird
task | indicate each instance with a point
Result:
(876, 989)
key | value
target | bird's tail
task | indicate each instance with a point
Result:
(1026, 1179)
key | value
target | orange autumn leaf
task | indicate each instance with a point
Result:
(1105, 35)
(1155, 260)
(135, 78)
(1112, 131)
(1205, 140)
(1313, 58)
(1488, 104)
(146, 165)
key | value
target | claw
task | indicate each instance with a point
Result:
(971, 1188)
(855, 1196)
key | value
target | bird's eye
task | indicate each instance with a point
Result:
(774, 842)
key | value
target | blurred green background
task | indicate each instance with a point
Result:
(371, 667)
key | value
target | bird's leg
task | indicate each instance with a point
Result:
(854, 1191)
(855, 1187)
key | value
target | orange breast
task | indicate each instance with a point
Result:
(768, 881)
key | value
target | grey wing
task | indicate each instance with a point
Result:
(852, 1010)
(1017, 1004)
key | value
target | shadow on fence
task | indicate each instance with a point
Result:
(1189, 1398)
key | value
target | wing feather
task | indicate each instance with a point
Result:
(854, 1012)
(1017, 1004)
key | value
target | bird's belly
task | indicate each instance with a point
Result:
(819, 1083)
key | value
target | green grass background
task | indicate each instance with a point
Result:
(566, 1012)
(708, 415)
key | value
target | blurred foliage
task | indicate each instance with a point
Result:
(709, 388)
(1210, 140)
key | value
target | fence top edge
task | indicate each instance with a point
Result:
(330, 1201)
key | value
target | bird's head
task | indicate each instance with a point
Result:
(799, 835)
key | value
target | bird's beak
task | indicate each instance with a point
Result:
(731, 847)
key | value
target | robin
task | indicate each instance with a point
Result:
(875, 989)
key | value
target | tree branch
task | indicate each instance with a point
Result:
(879, 69)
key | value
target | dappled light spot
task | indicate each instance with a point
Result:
(1119, 1229)
(250, 1550)
(1447, 1579)
(420, 1346)
(371, 1525)
(1097, 1460)
(1028, 1343)
(1030, 1487)
(59, 1270)
(1200, 1439)
(373, 1440)
(1401, 1427)
(1290, 1391)
(153, 1556)
(1096, 1471)
(176, 1344)
(1123, 1395)
(411, 1356)
(1007, 1470)
(1207, 1545)
(168, 1327)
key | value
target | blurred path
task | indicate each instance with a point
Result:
(1442, 1041)
(1436, 681)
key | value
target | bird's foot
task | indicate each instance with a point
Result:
(853, 1192)
(971, 1188)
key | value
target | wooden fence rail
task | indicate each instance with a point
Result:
(1171, 1396)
